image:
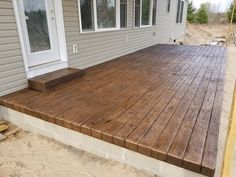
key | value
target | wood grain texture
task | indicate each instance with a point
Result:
(50, 80)
(163, 101)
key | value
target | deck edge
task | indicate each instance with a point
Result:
(93, 145)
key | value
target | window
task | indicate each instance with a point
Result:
(86, 10)
(98, 15)
(180, 10)
(154, 12)
(143, 12)
(168, 5)
(106, 14)
(137, 13)
(123, 13)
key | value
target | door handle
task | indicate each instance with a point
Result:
(52, 15)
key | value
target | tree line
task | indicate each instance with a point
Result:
(205, 14)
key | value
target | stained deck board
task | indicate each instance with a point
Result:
(194, 153)
(179, 145)
(111, 124)
(133, 139)
(163, 101)
(97, 120)
(210, 150)
(169, 119)
(50, 80)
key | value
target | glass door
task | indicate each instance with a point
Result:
(39, 31)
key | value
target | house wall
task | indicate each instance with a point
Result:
(93, 47)
(166, 22)
(97, 47)
(12, 71)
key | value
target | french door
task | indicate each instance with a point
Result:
(39, 30)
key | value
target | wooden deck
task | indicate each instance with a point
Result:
(163, 101)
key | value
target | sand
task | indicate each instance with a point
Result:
(30, 155)
(203, 34)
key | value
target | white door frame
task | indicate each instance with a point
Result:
(45, 68)
(52, 53)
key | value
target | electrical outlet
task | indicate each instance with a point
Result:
(75, 48)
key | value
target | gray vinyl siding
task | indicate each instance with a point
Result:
(98, 47)
(166, 21)
(12, 72)
(93, 48)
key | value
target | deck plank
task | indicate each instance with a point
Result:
(95, 122)
(210, 150)
(132, 141)
(179, 145)
(194, 152)
(131, 124)
(163, 101)
(168, 120)
(108, 126)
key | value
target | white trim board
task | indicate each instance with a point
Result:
(94, 146)
(46, 68)
(61, 40)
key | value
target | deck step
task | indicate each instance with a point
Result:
(50, 80)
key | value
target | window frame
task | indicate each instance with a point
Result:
(80, 19)
(140, 15)
(94, 17)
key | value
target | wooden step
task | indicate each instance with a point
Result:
(50, 80)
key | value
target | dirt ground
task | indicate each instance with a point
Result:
(204, 34)
(30, 155)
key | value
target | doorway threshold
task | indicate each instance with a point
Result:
(46, 68)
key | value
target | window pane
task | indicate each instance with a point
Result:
(178, 11)
(123, 13)
(168, 6)
(145, 12)
(86, 7)
(154, 12)
(37, 25)
(137, 12)
(182, 11)
(106, 14)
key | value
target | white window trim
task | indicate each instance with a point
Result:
(140, 18)
(96, 29)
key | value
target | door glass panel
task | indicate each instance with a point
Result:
(37, 25)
